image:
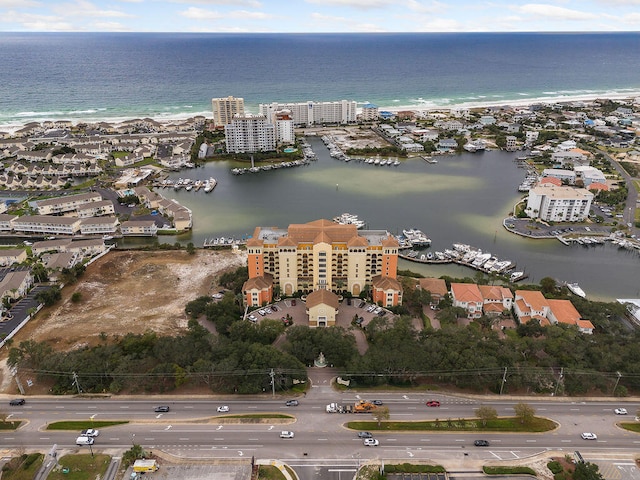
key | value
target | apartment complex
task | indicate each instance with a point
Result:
(248, 134)
(314, 113)
(322, 255)
(224, 109)
(552, 203)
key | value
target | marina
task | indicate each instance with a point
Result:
(350, 219)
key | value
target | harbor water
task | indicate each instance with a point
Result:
(460, 199)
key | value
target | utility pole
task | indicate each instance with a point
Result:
(14, 372)
(617, 381)
(273, 383)
(504, 379)
(558, 382)
(75, 382)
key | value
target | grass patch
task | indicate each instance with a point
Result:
(509, 424)
(83, 424)
(411, 468)
(509, 471)
(269, 472)
(23, 467)
(259, 415)
(9, 425)
(81, 467)
(632, 427)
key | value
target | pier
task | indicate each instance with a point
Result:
(223, 242)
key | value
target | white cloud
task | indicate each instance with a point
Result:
(429, 7)
(361, 4)
(83, 8)
(249, 15)
(19, 3)
(235, 3)
(200, 14)
(329, 19)
(109, 27)
(42, 23)
(551, 11)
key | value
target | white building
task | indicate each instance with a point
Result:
(284, 127)
(314, 113)
(590, 175)
(370, 112)
(250, 134)
(224, 109)
(559, 204)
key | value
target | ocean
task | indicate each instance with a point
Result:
(114, 76)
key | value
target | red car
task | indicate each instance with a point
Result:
(433, 403)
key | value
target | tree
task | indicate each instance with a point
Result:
(587, 471)
(380, 414)
(524, 412)
(191, 249)
(548, 285)
(486, 413)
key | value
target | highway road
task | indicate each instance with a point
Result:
(193, 428)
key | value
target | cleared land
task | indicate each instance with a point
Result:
(128, 291)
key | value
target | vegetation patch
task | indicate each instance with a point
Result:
(269, 472)
(81, 467)
(632, 427)
(411, 468)
(509, 471)
(510, 424)
(23, 467)
(9, 425)
(253, 418)
(83, 424)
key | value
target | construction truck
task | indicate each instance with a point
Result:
(333, 408)
(363, 406)
(145, 466)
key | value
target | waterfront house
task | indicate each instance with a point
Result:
(467, 296)
(531, 305)
(11, 256)
(106, 225)
(139, 228)
(46, 224)
(447, 145)
(437, 287)
(495, 299)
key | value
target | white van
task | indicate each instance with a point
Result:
(84, 441)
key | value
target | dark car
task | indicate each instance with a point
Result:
(16, 401)
(274, 308)
(293, 303)
(364, 435)
(292, 403)
(433, 403)
(481, 443)
(377, 402)
(162, 408)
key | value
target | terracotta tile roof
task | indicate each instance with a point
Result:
(327, 297)
(258, 283)
(564, 311)
(552, 180)
(286, 242)
(357, 242)
(466, 292)
(533, 298)
(307, 232)
(493, 307)
(390, 242)
(386, 283)
(490, 292)
(585, 324)
(436, 286)
(598, 186)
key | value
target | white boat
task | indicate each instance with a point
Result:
(210, 184)
(515, 276)
(416, 237)
(576, 290)
(350, 219)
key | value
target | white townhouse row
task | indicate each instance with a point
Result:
(59, 170)
(11, 256)
(181, 216)
(15, 285)
(551, 203)
(586, 174)
(85, 248)
(67, 203)
(55, 225)
(314, 113)
(15, 182)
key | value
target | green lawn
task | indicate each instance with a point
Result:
(258, 416)
(24, 467)
(269, 472)
(82, 424)
(9, 425)
(81, 467)
(510, 424)
(632, 427)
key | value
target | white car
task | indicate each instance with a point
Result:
(90, 432)
(252, 318)
(223, 409)
(589, 436)
(371, 442)
(286, 434)
(620, 411)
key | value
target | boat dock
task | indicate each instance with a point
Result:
(428, 159)
(223, 242)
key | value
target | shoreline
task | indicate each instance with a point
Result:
(11, 126)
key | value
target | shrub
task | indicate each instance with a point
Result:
(555, 467)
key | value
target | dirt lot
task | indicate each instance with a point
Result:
(128, 292)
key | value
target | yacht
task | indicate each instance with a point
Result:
(576, 290)
(210, 184)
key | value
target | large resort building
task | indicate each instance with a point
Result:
(224, 109)
(322, 255)
(314, 113)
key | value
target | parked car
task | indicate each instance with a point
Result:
(364, 435)
(589, 436)
(16, 401)
(481, 443)
(620, 411)
(162, 408)
(293, 302)
(292, 403)
(262, 312)
(433, 403)
(89, 432)
(371, 442)
(252, 318)
(274, 308)
(223, 409)
(286, 434)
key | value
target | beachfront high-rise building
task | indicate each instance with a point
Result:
(248, 134)
(314, 113)
(224, 109)
(322, 255)
(284, 127)
(370, 112)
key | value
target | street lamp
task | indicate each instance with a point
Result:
(133, 439)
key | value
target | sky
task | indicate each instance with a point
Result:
(310, 16)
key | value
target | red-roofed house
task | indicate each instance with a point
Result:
(467, 296)
(552, 180)
(598, 186)
(495, 299)
(531, 305)
(562, 311)
(585, 326)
